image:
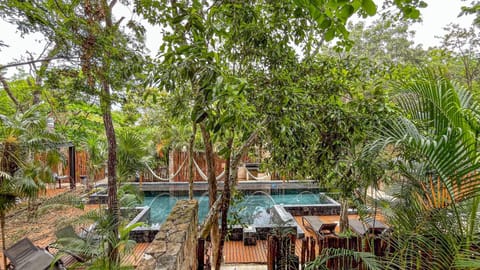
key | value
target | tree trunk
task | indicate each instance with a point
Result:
(343, 214)
(112, 202)
(2, 221)
(212, 190)
(208, 221)
(191, 143)
(230, 180)
(226, 196)
(106, 102)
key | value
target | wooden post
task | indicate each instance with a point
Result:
(71, 164)
(271, 252)
(171, 164)
(201, 254)
(312, 250)
(303, 252)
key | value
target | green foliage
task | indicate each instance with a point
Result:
(332, 16)
(93, 248)
(473, 9)
(130, 196)
(95, 147)
(436, 156)
(132, 153)
(22, 136)
(462, 48)
(317, 126)
(367, 258)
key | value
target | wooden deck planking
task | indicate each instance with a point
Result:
(236, 252)
(134, 257)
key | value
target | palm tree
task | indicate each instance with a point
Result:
(132, 153)
(435, 141)
(96, 151)
(21, 176)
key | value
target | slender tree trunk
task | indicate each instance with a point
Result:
(226, 196)
(113, 207)
(2, 221)
(191, 144)
(343, 214)
(212, 190)
(112, 202)
(230, 181)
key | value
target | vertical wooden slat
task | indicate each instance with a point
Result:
(201, 253)
(272, 252)
(303, 251)
(312, 249)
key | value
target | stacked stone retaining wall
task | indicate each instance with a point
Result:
(175, 245)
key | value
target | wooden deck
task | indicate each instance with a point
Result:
(235, 252)
(134, 257)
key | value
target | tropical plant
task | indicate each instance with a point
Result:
(96, 151)
(93, 248)
(133, 153)
(22, 136)
(435, 145)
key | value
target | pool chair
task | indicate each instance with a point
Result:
(24, 255)
(321, 229)
(373, 226)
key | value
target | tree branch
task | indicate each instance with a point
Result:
(208, 221)
(7, 89)
(30, 62)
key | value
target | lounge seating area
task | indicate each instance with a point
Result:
(24, 255)
(315, 225)
(367, 226)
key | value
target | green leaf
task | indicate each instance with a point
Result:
(330, 34)
(345, 12)
(324, 22)
(413, 14)
(369, 7)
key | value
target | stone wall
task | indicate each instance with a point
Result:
(175, 245)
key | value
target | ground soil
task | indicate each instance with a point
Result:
(41, 229)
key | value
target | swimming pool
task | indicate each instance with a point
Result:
(254, 208)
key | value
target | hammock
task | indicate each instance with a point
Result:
(165, 179)
(203, 175)
(250, 175)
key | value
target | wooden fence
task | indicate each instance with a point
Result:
(179, 166)
(281, 252)
(81, 169)
(311, 248)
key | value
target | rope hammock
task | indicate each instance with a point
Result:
(203, 175)
(165, 179)
(250, 175)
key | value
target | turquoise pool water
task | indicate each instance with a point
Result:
(252, 209)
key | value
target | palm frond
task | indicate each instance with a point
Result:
(438, 104)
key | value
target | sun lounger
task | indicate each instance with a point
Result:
(24, 255)
(314, 224)
(375, 227)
